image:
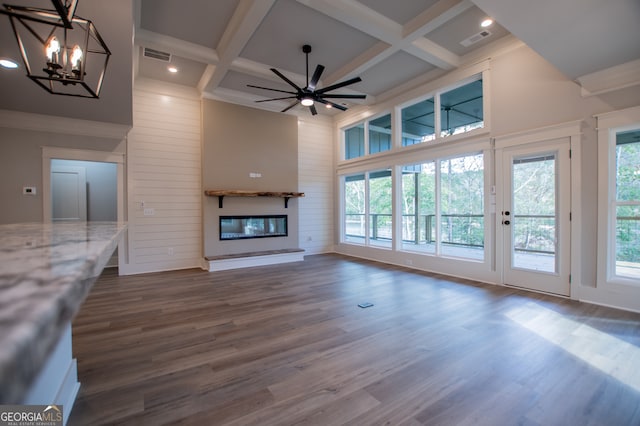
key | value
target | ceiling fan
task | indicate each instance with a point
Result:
(308, 95)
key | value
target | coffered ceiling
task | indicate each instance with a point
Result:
(219, 47)
(222, 47)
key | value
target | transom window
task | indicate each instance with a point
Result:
(461, 109)
(444, 114)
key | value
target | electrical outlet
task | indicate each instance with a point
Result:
(170, 251)
(29, 190)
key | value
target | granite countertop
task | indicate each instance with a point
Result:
(46, 272)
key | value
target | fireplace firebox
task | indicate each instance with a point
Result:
(245, 227)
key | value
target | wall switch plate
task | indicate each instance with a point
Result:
(29, 190)
(149, 212)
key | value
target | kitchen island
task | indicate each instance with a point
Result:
(46, 272)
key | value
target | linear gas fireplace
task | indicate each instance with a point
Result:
(244, 227)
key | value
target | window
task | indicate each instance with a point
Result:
(442, 207)
(461, 109)
(453, 223)
(354, 142)
(380, 208)
(418, 123)
(462, 206)
(354, 209)
(380, 134)
(419, 207)
(626, 205)
(369, 191)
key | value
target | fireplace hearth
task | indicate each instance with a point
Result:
(247, 227)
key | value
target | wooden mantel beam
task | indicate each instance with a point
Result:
(221, 193)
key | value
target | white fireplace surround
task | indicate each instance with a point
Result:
(250, 259)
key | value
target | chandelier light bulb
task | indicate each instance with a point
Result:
(76, 57)
(52, 50)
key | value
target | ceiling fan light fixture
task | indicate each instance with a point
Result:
(309, 94)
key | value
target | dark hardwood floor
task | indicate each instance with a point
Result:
(287, 344)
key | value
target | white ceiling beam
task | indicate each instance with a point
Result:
(356, 15)
(206, 77)
(395, 36)
(433, 53)
(244, 22)
(434, 17)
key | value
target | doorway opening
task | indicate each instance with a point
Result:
(84, 185)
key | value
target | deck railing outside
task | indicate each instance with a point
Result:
(533, 233)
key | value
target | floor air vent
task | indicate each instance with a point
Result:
(156, 54)
(475, 38)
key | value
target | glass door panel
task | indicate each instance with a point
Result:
(533, 218)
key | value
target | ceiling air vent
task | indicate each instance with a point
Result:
(475, 38)
(156, 54)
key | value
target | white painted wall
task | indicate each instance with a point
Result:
(164, 177)
(316, 180)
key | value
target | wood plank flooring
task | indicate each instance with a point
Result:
(287, 345)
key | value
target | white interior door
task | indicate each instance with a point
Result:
(68, 193)
(535, 217)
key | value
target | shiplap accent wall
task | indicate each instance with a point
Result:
(316, 180)
(164, 172)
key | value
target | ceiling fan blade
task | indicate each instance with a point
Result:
(333, 104)
(338, 85)
(282, 76)
(330, 96)
(290, 106)
(312, 108)
(273, 90)
(276, 99)
(316, 77)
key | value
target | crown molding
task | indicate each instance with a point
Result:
(610, 79)
(62, 125)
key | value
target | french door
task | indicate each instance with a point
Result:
(535, 218)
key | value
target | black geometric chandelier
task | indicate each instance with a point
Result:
(62, 53)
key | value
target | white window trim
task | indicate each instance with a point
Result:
(609, 124)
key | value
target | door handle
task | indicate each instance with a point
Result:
(506, 222)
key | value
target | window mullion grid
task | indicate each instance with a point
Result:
(437, 124)
(366, 138)
(438, 206)
(367, 198)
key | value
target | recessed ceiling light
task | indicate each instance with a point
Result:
(8, 63)
(486, 23)
(173, 69)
